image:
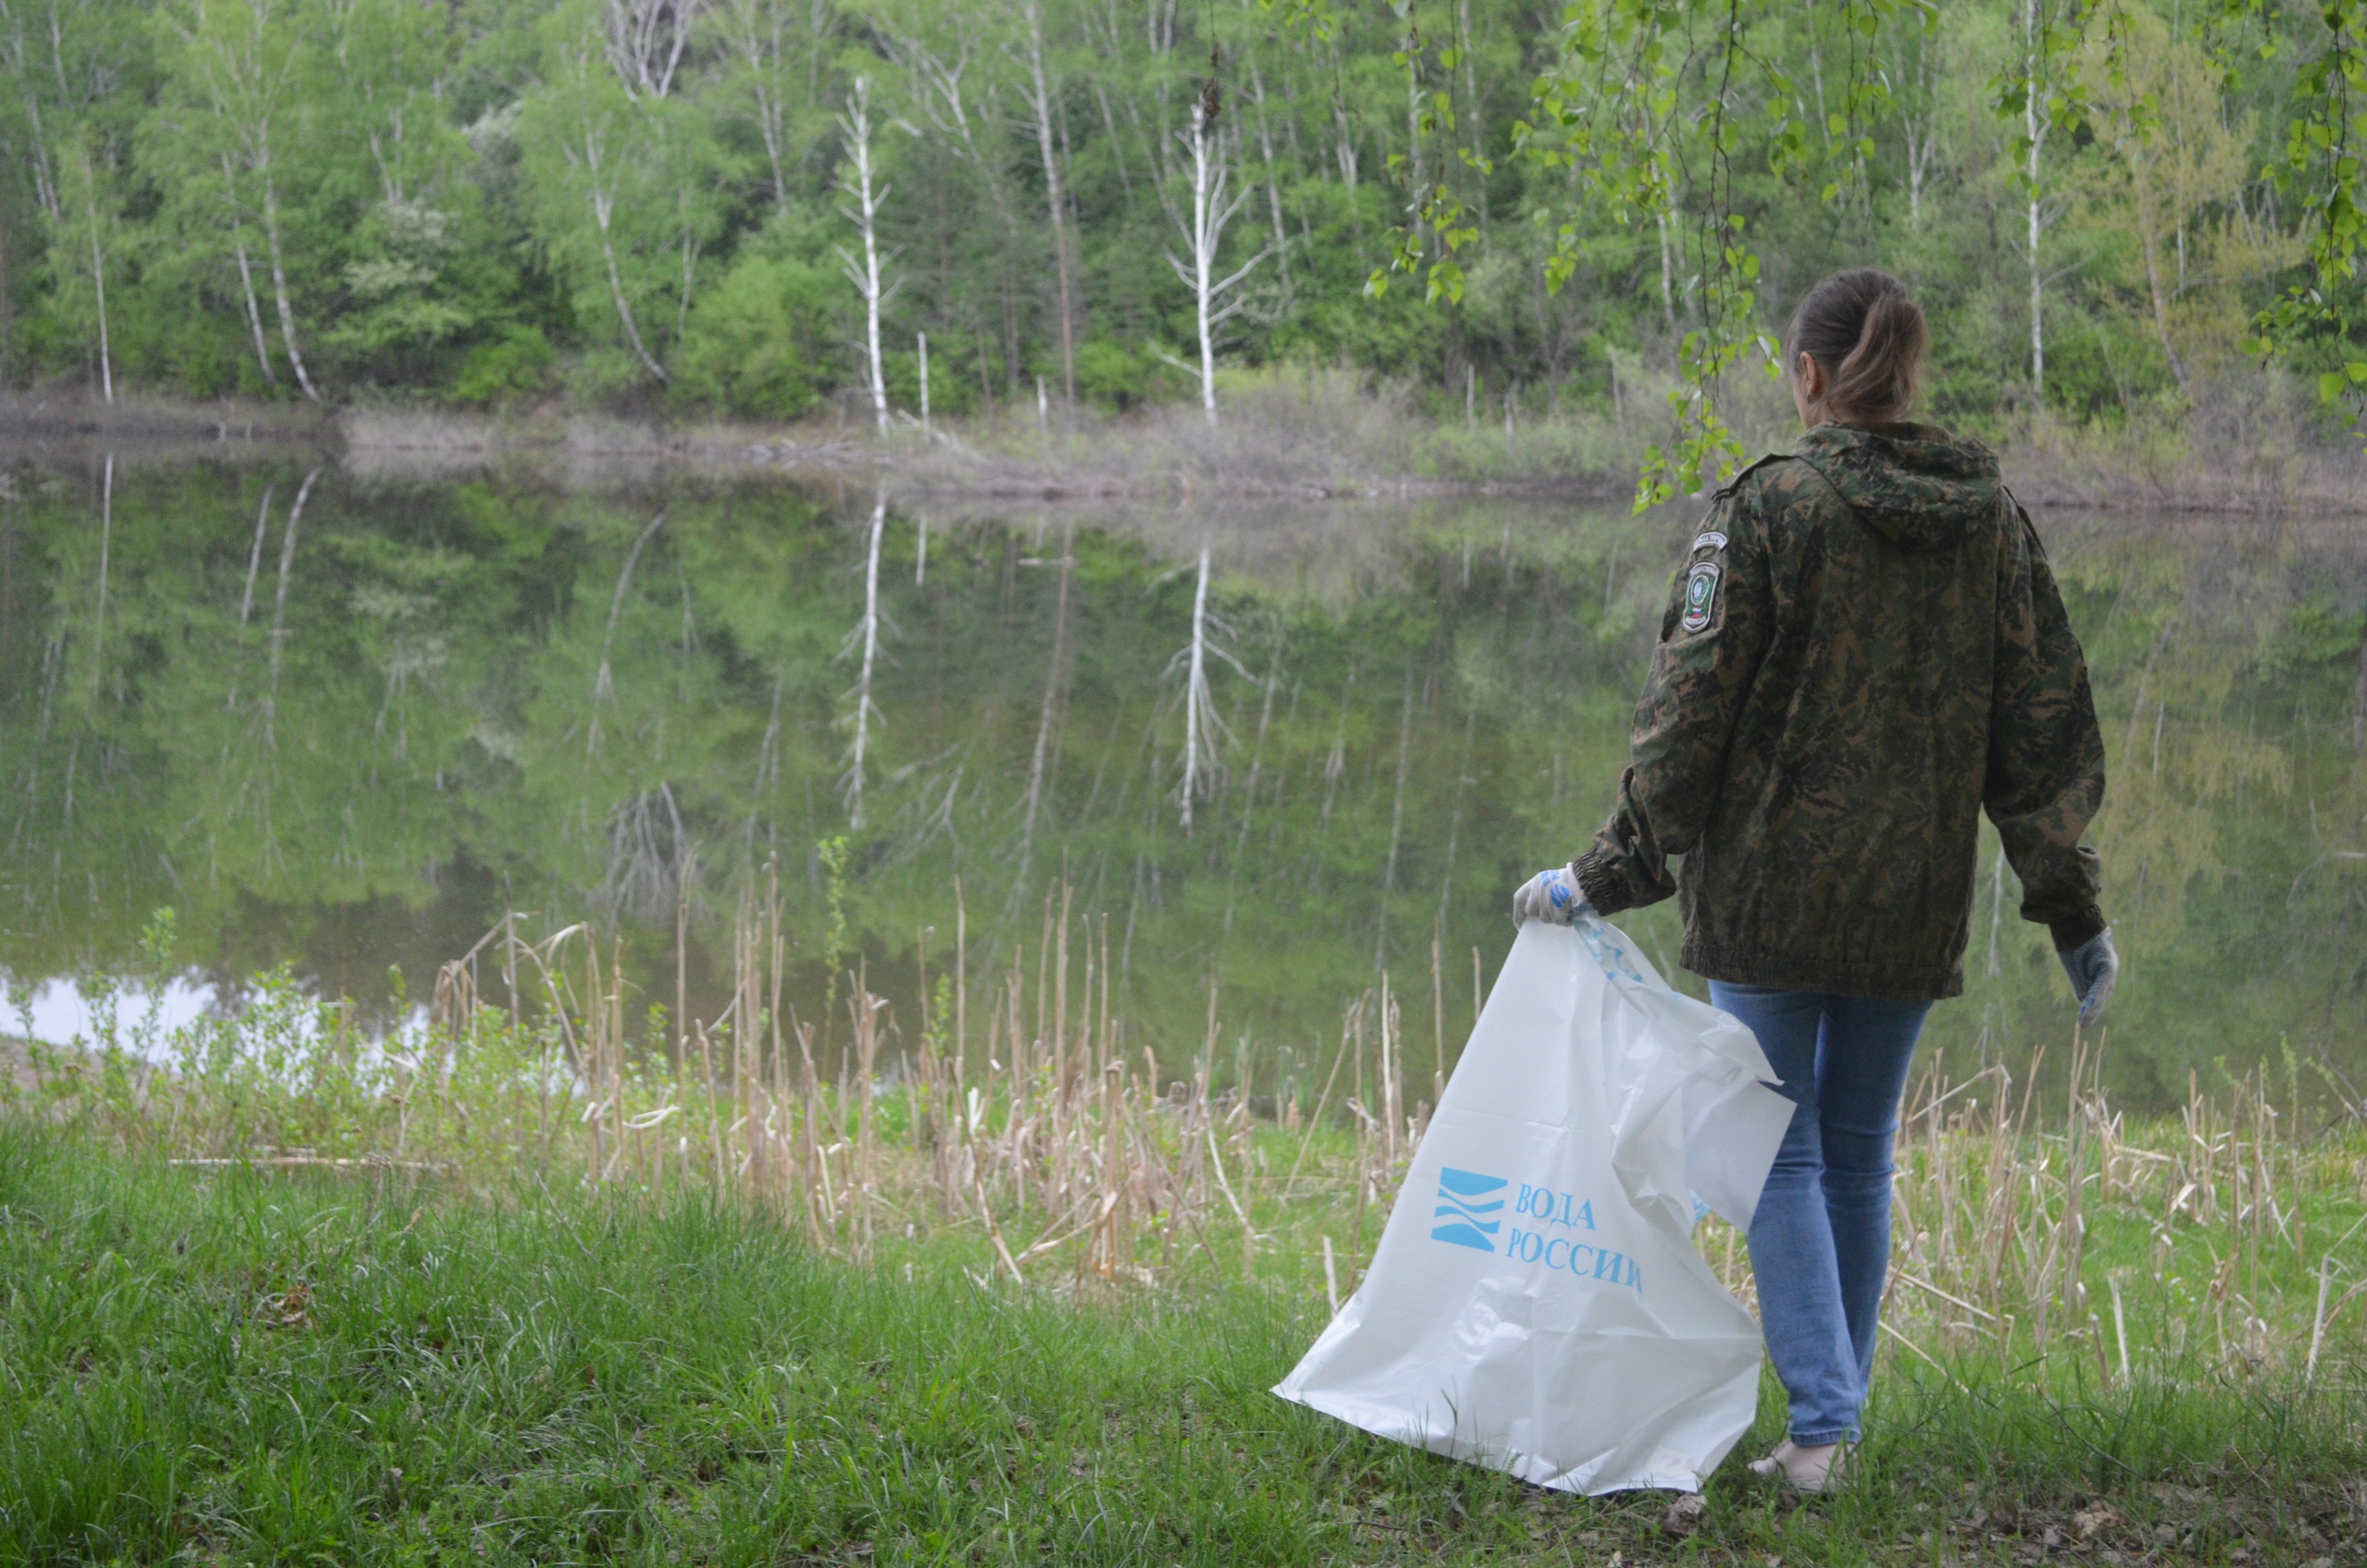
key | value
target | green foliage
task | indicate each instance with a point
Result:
(400, 197)
(758, 342)
(516, 365)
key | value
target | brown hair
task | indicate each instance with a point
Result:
(1869, 336)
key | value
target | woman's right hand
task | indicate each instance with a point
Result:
(1552, 896)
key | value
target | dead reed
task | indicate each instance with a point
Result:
(2046, 1237)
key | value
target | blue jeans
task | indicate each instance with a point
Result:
(1819, 1242)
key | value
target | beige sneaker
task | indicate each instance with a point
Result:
(1806, 1469)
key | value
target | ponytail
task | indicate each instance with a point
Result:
(1870, 338)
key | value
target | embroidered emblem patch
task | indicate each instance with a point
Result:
(1701, 597)
(1712, 540)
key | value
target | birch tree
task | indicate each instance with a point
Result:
(2155, 102)
(775, 53)
(1212, 210)
(645, 42)
(79, 243)
(235, 215)
(855, 125)
(605, 141)
(69, 67)
(236, 63)
(1041, 109)
(2041, 95)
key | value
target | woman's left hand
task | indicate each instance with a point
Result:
(1552, 896)
(2094, 969)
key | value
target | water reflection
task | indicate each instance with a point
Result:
(342, 724)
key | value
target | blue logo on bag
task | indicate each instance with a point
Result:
(1459, 1204)
(1608, 953)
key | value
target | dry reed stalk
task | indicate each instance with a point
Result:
(707, 1086)
(1056, 1136)
(1438, 1010)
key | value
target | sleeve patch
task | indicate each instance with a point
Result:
(1701, 597)
(1711, 540)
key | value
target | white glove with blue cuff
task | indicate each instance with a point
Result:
(1551, 896)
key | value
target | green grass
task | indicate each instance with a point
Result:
(234, 1368)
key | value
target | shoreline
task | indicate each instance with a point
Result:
(1322, 450)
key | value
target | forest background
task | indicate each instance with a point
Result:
(754, 208)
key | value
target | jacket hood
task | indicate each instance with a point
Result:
(1916, 484)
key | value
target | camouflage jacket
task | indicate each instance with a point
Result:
(1864, 649)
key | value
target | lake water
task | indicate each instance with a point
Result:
(347, 740)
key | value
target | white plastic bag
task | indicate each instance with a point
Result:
(1537, 1303)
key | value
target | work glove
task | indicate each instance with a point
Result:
(1551, 896)
(2094, 968)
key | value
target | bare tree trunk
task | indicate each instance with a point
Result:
(1344, 146)
(99, 292)
(279, 281)
(1273, 190)
(1203, 266)
(255, 312)
(856, 124)
(2034, 130)
(44, 178)
(603, 207)
(2149, 233)
(1211, 213)
(1668, 282)
(247, 274)
(769, 117)
(1056, 199)
(98, 272)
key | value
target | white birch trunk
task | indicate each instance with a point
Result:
(1281, 246)
(98, 277)
(1041, 104)
(603, 210)
(254, 312)
(279, 278)
(1203, 258)
(1211, 210)
(856, 125)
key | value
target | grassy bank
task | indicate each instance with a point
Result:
(242, 1365)
(517, 1287)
